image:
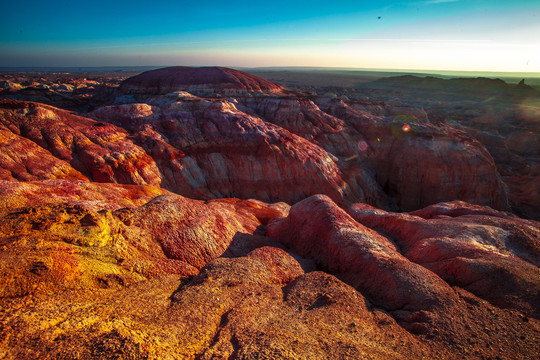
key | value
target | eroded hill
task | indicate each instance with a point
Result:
(224, 216)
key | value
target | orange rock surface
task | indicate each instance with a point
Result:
(168, 225)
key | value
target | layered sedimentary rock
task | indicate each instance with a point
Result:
(186, 279)
(270, 148)
(420, 164)
(504, 117)
(22, 159)
(486, 252)
(317, 228)
(509, 117)
(516, 157)
(170, 225)
(102, 152)
(417, 167)
(205, 80)
(58, 239)
(203, 150)
(385, 172)
(223, 151)
(90, 195)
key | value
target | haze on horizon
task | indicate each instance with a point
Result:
(462, 35)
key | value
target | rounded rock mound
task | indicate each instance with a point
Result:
(199, 80)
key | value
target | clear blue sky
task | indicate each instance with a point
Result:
(488, 35)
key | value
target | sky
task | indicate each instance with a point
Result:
(463, 35)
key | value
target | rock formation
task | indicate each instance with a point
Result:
(273, 148)
(205, 80)
(317, 228)
(220, 151)
(188, 279)
(167, 224)
(102, 152)
(487, 253)
(479, 85)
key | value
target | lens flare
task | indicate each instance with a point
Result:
(405, 128)
(362, 145)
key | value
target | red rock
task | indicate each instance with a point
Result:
(304, 118)
(197, 232)
(106, 270)
(55, 246)
(525, 193)
(280, 265)
(202, 79)
(300, 116)
(239, 307)
(514, 156)
(262, 211)
(215, 151)
(524, 143)
(454, 209)
(88, 195)
(211, 149)
(188, 230)
(62, 235)
(102, 152)
(426, 165)
(89, 267)
(316, 228)
(486, 252)
(23, 160)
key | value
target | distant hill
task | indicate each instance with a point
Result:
(464, 85)
(184, 78)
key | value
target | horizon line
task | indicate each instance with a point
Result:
(335, 68)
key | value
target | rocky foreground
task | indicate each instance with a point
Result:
(159, 226)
